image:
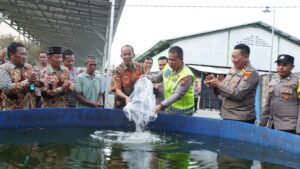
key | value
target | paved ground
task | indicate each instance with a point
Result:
(214, 114)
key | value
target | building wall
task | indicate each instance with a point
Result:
(287, 47)
(216, 48)
(155, 62)
(206, 49)
(259, 41)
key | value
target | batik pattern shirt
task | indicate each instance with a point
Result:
(38, 69)
(124, 78)
(15, 86)
(52, 93)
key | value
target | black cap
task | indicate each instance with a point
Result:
(285, 59)
(54, 50)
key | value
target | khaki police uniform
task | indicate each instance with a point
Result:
(281, 109)
(237, 92)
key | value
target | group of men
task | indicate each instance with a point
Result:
(53, 84)
(237, 91)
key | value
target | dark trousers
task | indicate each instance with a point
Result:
(38, 102)
(196, 103)
(252, 121)
(289, 131)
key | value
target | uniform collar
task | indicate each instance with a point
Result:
(179, 70)
(244, 69)
(288, 77)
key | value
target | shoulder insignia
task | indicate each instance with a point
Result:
(183, 81)
(167, 73)
(247, 74)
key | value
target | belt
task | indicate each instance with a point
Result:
(180, 111)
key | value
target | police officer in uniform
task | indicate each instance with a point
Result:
(281, 109)
(238, 89)
(178, 82)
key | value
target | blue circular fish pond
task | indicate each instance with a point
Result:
(194, 126)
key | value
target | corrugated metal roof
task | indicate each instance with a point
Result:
(165, 44)
(209, 69)
(79, 25)
(218, 70)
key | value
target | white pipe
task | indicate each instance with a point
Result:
(112, 14)
(272, 44)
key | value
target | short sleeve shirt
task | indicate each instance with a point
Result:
(89, 87)
(124, 78)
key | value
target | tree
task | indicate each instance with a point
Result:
(33, 50)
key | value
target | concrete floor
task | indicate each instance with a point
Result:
(214, 114)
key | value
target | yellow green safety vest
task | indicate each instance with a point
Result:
(186, 104)
(298, 89)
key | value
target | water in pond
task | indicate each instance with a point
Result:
(87, 147)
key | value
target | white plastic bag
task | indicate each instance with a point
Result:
(140, 109)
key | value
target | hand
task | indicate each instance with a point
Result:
(3, 54)
(209, 77)
(221, 77)
(144, 75)
(157, 108)
(215, 82)
(98, 105)
(72, 86)
(38, 83)
(66, 85)
(33, 78)
(127, 99)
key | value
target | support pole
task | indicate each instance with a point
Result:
(111, 26)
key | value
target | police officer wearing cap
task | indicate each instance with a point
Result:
(56, 81)
(281, 108)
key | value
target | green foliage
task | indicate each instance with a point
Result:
(33, 50)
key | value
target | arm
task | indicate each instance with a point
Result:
(101, 93)
(47, 90)
(7, 86)
(48, 87)
(242, 89)
(265, 113)
(78, 93)
(298, 123)
(122, 95)
(116, 86)
(2, 55)
(180, 90)
(156, 78)
(100, 100)
(82, 100)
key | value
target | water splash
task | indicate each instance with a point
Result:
(140, 109)
(126, 137)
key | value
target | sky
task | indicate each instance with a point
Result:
(142, 27)
(143, 24)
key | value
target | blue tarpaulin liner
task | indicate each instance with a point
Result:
(110, 118)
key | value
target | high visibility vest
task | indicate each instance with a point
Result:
(298, 89)
(171, 80)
